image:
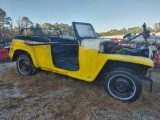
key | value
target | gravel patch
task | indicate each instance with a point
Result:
(9, 94)
(5, 66)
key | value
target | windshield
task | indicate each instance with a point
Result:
(85, 31)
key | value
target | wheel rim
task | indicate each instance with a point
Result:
(121, 87)
(23, 66)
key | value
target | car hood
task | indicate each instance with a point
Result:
(92, 43)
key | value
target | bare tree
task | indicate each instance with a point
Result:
(19, 24)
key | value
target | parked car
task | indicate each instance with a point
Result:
(153, 42)
(4, 54)
(6, 43)
(86, 57)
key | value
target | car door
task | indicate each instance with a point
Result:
(65, 54)
(87, 56)
(58, 52)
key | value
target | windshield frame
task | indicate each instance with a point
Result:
(78, 34)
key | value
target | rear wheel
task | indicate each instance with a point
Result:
(25, 65)
(123, 85)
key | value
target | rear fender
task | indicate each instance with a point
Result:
(20, 48)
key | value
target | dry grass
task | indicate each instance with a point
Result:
(52, 96)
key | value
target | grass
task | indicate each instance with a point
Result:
(53, 96)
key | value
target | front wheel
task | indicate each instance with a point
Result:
(123, 85)
(25, 65)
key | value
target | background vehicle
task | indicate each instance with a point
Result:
(85, 57)
(4, 54)
(6, 43)
(152, 41)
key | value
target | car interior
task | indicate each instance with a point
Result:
(64, 49)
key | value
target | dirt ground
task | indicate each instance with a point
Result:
(48, 96)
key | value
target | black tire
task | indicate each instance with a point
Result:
(25, 65)
(123, 85)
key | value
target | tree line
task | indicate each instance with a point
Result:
(8, 30)
(133, 30)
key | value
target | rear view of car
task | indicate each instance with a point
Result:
(3, 54)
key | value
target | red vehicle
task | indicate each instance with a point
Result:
(157, 58)
(4, 54)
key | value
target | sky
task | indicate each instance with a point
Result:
(104, 15)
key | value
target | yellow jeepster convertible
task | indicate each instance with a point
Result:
(85, 57)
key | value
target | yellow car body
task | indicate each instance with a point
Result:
(85, 58)
(90, 60)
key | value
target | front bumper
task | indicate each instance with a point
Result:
(147, 77)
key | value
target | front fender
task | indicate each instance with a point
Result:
(104, 58)
(126, 58)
